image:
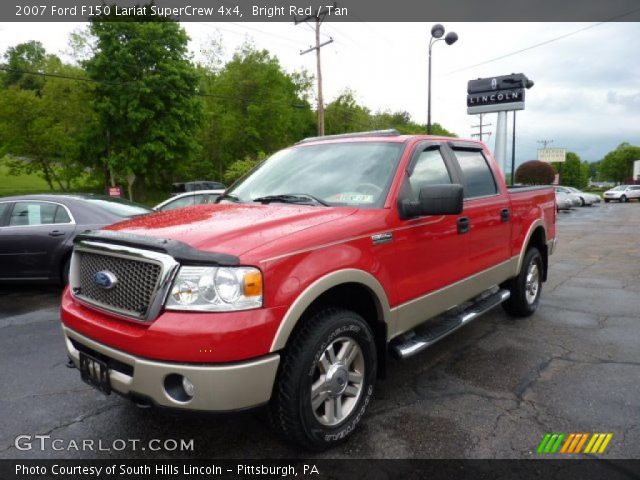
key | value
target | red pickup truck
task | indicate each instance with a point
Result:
(292, 290)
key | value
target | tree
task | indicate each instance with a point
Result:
(239, 168)
(23, 62)
(252, 106)
(46, 131)
(345, 115)
(573, 173)
(146, 98)
(535, 172)
(617, 165)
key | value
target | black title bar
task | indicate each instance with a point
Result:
(341, 11)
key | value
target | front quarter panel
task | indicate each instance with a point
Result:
(301, 278)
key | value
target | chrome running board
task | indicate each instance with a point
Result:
(424, 336)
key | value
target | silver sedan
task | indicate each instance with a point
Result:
(563, 201)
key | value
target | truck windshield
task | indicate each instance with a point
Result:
(338, 174)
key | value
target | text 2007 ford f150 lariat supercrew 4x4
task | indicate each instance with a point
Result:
(293, 289)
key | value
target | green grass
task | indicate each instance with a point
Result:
(27, 184)
(20, 184)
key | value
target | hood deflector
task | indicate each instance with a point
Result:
(182, 252)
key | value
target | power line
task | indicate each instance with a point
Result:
(546, 42)
(480, 126)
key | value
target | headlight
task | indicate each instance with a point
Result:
(216, 289)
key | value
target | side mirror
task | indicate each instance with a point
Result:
(433, 200)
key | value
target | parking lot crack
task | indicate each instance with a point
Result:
(78, 419)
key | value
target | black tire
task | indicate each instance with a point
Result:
(521, 303)
(582, 202)
(606, 200)
(64, 274)
(290, 411)
(624, 199)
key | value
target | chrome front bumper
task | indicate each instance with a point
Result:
(222, 387)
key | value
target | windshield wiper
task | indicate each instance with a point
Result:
(228, 196)
(303, 198)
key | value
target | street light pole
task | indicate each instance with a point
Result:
(437, 31)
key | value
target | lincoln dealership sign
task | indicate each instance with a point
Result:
(496, 94)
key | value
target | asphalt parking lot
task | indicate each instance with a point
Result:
(490, 390)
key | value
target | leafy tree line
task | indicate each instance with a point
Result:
(136, 110)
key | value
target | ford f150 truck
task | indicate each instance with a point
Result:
(294, 288)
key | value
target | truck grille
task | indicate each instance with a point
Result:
(132, 294)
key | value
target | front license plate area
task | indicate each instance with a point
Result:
(95, 372)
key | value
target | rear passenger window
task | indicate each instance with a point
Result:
(429, 169)
(478, 178)
(61, 215)
(32, 213)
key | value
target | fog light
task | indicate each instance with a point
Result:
(189, 388)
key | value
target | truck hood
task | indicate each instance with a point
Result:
(231, 228)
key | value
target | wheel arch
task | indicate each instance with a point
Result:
(353, 289)
(536, 237)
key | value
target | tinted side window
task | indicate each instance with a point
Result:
(429, 169)
(32, 213)
(478, 178)
(61, 215)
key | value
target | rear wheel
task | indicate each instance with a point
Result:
(526, 287)
(326, 380)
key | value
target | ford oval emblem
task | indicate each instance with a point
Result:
(105, 280)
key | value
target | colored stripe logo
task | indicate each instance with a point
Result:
(573, 443)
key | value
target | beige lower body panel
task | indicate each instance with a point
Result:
(217, 387)
(415, 312)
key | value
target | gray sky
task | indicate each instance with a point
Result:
(587, 85)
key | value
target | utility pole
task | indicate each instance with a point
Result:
(481, 126)
(318, 18)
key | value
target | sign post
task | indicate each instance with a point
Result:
(498, 94)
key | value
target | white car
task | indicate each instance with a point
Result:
(578, 198)
(563, 201)
(587, 198)
(188, 199)
(622, 193)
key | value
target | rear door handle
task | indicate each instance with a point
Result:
(56, 233)
(463, 225)
(504, 215)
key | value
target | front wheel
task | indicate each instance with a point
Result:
(623, 199)
(326, 379)
(526, 287)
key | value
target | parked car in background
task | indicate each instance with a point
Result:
(586, 199)
(37, 231)
(194, 186)
(623, 193)
(563, 201)
(189, 199)
(576, 200)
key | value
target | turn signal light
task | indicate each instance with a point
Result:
(252, 284)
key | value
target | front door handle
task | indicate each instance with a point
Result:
(463, 225)
(56, 233)
(504, 215)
